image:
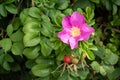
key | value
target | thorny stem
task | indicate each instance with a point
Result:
(58, 68)
(69, 67)
(33, 4)
(65, 64)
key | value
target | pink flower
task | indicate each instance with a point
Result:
(74, 30)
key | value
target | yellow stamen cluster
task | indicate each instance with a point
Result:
(75, 31)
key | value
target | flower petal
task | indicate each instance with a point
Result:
(66, 22)
(85, 32)
(77, 19)
(64, 36)
(86, 28)
(73, 43)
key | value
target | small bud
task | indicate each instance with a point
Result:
(84, 55)
(75, 60)
(67, 59)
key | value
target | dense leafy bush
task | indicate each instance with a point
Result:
(30, 48)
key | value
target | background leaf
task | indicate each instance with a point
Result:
(114, 75)
(9, 29)
(3, 11)
(11, 8)
(46, 48)
(111, 59)
(31, 53)
(17, 48)
(34, 12)
(14, 36)
(96, 66)
(31, 39)
(40, 71)
(6, 44)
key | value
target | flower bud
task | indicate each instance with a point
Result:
(67, 59)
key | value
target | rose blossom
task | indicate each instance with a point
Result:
(74, 30)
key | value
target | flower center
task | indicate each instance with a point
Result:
(75, 31)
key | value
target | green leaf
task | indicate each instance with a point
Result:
(81, 4)
(16, 23)
(31, 53)
(30, 63)
(102, 71)
(24, 15)
(108, 68)
(31, 39)
(17, 48)
(91, 22)
(115, 21)
(89, 16)
(114, 75)
(88, 11)
(46, 48)
(39, 71)
(80, 10)
(17, 36)
(100, 52)
(9, 29)
(74, 74)
(58, 18)
(44, 61)
(47, 27)
(52, 14)
(112, 47)
(1, 51)
(111, 59)
(90, 55)
(108, 5)
(117, 2)
(93, 47)
(31, 27)
(8, 58)
(70, 78)
(34, 12)
(6, 44)
(3, 11)
(50, 4)
(62, 4)
(11, 8)
(9, 1)
(2, 58)
(68, 11)
(115, 8)
(83, 74)
(60, 56)
(44, 78)
(29, 19)
(96, 66)
(6, 66)
(95, 1)
(64, 76)
(57, 44)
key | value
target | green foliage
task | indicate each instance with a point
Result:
(31, 53)
(96, 66)
(6, 44)
(8, 6)
(17, 48)
(31, 50)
